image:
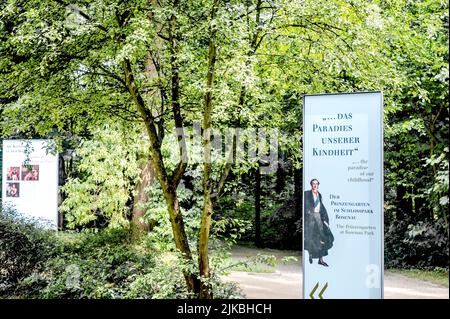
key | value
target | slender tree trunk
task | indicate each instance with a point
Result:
(62, 178)
(258, 207)
(155, 133)
(168, 185)
(298, 190)
(179, 235)
(205, 225)
(281, 178)
(203, 259)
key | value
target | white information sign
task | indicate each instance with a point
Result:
(343, 196)
(30, 179)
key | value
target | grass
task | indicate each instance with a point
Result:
(439, 277)
(253, 267)
(257, 264)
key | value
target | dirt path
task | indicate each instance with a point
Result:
(286, 281)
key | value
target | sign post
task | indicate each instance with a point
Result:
(30, 179)
(343, 196)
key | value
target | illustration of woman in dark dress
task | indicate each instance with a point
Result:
(318, 236)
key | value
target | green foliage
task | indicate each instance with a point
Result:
(283, 228)
(101, 265)
(24, 247)
(417, 112)
(161, 236)
(103, 186)
(280, 223)
(224, 227)
(105, 264)
(230, 229)
(222, 290)
(438, 191)
(289, 259)
(422, 245)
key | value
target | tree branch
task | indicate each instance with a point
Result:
(227, 169)
(162, 36)
(109, 75)
(86, 16)
(250, 11)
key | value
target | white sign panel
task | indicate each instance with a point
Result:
(343, 196)
(30, 179)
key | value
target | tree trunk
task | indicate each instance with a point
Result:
(179, 235)
(298, 191)
(147, 178)
(203, 260)
(205, 225)
(168, 187)
(298, 198)
(258, 207)
(281, 178)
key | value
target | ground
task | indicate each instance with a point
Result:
(286, 281)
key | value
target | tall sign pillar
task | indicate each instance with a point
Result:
(343, 196)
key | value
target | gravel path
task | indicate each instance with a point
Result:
(286, 281)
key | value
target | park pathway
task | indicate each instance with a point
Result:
(286, 281)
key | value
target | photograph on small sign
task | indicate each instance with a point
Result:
(30, 173)
(12, 189)
(13, 173)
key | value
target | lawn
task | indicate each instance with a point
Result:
(439, 276)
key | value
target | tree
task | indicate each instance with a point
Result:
(417, 122)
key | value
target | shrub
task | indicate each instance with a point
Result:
(38, 263)
(282, 230)
(163, 281)
(25, 245)
(423, 244)
(90, 265)
(101, 273)
(280, 222)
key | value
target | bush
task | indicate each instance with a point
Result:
(423, 244)
(161, 282)
(38, 263)
(25, 245)
(101, 273)
(282, 230)
(90, 265)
